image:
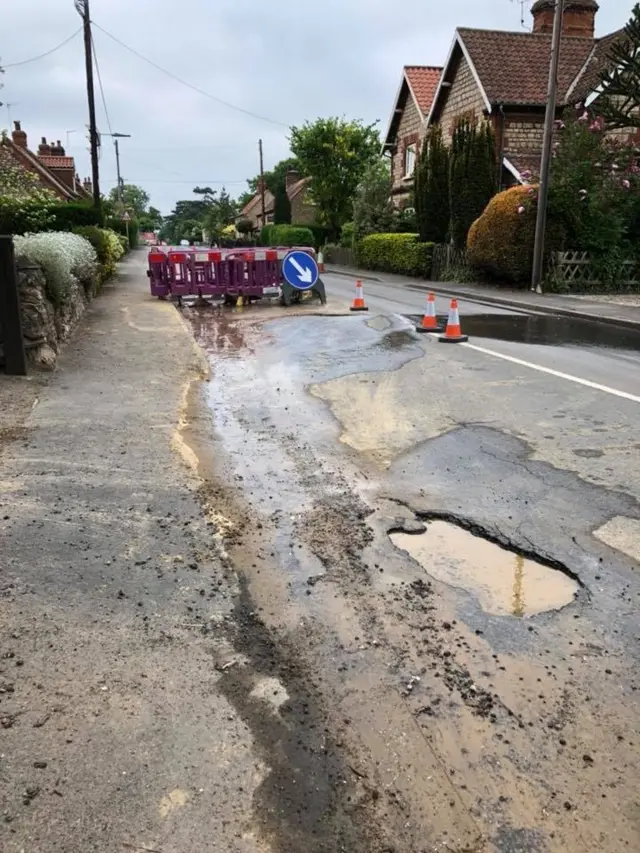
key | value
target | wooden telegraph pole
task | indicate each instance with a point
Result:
(82, 7)
(549, 119)
(262, 189)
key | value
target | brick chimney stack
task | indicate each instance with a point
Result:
(18, 135)
(292, 177)
(88, 186)
(579, 18)
(44, 149)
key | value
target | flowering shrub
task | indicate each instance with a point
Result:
(65, 259)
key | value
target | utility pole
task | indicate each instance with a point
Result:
(549, 119)
(262, 200)
(82, 7)
(120, 199)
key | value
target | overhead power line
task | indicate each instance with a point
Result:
(104, 100)
(185, 83)
(44, 55)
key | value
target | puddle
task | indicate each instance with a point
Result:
(549, 330)
(504, 583)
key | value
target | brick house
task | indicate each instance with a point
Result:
(502, 77)
(407, 126)
(303, 210)
(54, 170)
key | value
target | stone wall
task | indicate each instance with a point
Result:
(45, 326)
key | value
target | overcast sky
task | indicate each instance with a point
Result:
(284, 60)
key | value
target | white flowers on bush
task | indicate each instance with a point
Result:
(64, 257)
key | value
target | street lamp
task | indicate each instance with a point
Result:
(116, 137)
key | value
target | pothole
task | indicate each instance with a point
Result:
(504, 582)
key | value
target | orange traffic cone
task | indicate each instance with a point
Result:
(358, 301)
(453, 334)
(429, 320)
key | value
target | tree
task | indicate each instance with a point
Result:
(334, 154)
(432, 189)
(472, 180)
(135, 199)
(151, 220)
(619, 105)
(372, 207)
(281, 205)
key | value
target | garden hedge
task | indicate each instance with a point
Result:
(403, 254)
(108, 245)
(289, 235)
(500, 241)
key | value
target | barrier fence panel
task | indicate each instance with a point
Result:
(192, 271)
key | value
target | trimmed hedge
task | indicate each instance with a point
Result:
(71, 214)
(289, 235)
(403, 254)
(500, 241)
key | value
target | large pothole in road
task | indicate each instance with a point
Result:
(504, 582)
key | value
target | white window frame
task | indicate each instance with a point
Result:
(413, 150)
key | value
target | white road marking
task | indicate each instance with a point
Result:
(586, 382)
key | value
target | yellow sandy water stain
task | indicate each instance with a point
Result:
(175, 800)
(504, 583)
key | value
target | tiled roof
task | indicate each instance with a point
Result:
(52, 162)
(595, 65)
(514, 67)
(423, 80)
(296, 189)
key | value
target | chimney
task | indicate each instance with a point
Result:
(59, 149)
(44, 149)
(579, 18)
(18, 135)
(88, 186)
(292, 177)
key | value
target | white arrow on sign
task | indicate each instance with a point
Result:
(304, 273)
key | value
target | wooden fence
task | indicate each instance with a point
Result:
(14, 357)
(448, 262)
(575, 271)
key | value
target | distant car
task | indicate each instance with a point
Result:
(184, 242)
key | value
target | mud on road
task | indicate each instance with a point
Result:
(392, 710)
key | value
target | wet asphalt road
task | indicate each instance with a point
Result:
(331, 432)
(600, 354)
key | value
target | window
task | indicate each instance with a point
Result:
(409, 160)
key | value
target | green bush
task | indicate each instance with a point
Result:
(403, 254)
(265, 235)
(114, 223)
(347, 235)
(320, 234)
(290, 235)
(25, 215)
(108, 245)
(71, 214)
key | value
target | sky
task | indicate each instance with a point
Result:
(283, 62)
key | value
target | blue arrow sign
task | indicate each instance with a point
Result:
(299, 270)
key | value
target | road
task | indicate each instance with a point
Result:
(412, 622)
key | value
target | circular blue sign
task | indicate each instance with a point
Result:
(299, 270)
